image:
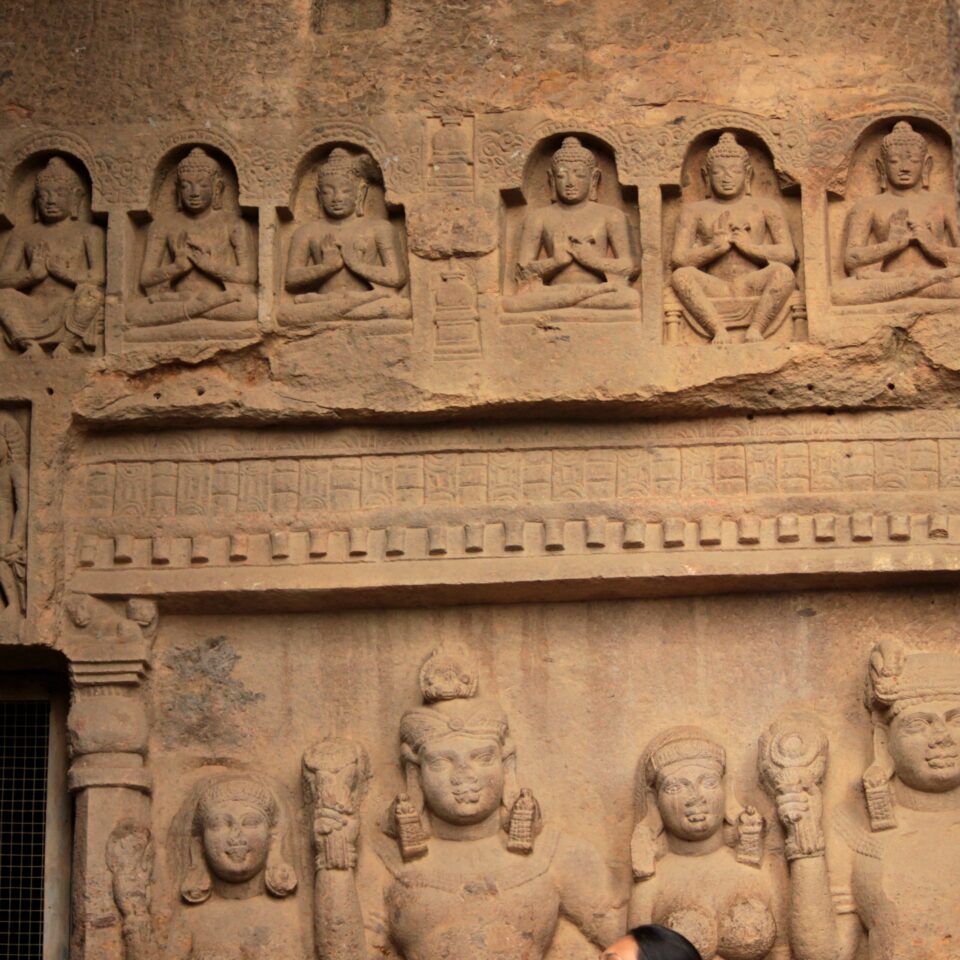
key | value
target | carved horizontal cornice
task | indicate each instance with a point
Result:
(236, 510)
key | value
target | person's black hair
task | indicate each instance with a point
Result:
(662, 943)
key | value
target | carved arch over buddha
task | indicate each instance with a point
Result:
(732, 243)
(891, 215)
(570, 248)
(342, 252)
(52, 254)
(192, 270)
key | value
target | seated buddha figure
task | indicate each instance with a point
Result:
(732, 244)
(876, 878)
(575, 252)
(237, 880)
(468, 868)
(52, 272)
(200, 261)
(903, 241)
(347, 265)
(698, 862)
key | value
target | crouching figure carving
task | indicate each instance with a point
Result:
(470, 869)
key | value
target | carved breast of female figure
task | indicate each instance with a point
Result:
(726, 908)
(463, 901)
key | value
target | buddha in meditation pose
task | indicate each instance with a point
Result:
(470, 871)
(903, 241)
(732, 244)
(881, 882)
(348, 265)
(575, 252)
(237, 881)
(200, 261)
(698, 860)
(52, 272)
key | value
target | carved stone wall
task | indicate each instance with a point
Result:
(474, 457)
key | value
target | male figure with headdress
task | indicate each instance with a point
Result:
(471, 870)
(732, 244)
(201, 261)
(13, 516)
(576, 252)
(53, 271)
(904, 241)
(350, 265)
(886, 874)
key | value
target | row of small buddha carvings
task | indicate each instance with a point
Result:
(574, 256)
(466, 865)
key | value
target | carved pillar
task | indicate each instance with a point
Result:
(108, 729)
(953, 22)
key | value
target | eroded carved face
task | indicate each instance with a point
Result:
(903, 165)
(925, 746)
(236, 839)
(56, 201)
(690, 798)
(462, 778)
(196, 190)
(728, 176)
(339, 194)
(572, 180)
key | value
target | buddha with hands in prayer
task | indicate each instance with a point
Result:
(346, 266)
(201, 260)
(53, 271)
(903, 241)
(575, 252)
(732, 244)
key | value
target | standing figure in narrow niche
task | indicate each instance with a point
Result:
(576, 252)
(887, 875)
(732, 244)
(905, 240)
(237, 878)
(13, 516)
(347, 266)
(200, 261)
(52, 272)
(698, 860)
(471, 870)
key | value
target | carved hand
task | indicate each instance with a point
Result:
(203, 260)
(800, 808)
(38, 261)
(900, 233)
(58, 269)
(181, 255)
(722, 235)
(130, 860)
(584, 251)
(335, 836)
(330, 250)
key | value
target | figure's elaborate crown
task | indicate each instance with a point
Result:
(902, 135)
(198, 161)
(57, 172)
(679, 743)
(448, 673)
(727, 146)
(573, 151)
(894, 679)
(242, 789)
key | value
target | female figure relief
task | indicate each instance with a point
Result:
(470, 870)
(726, 899)
(237, 878)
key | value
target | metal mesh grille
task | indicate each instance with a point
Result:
(24, 749)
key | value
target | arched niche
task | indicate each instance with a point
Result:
(693, 188)
(22, 225)
(535, 191)
(863, 182)
(377, 218)
(163, 213)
